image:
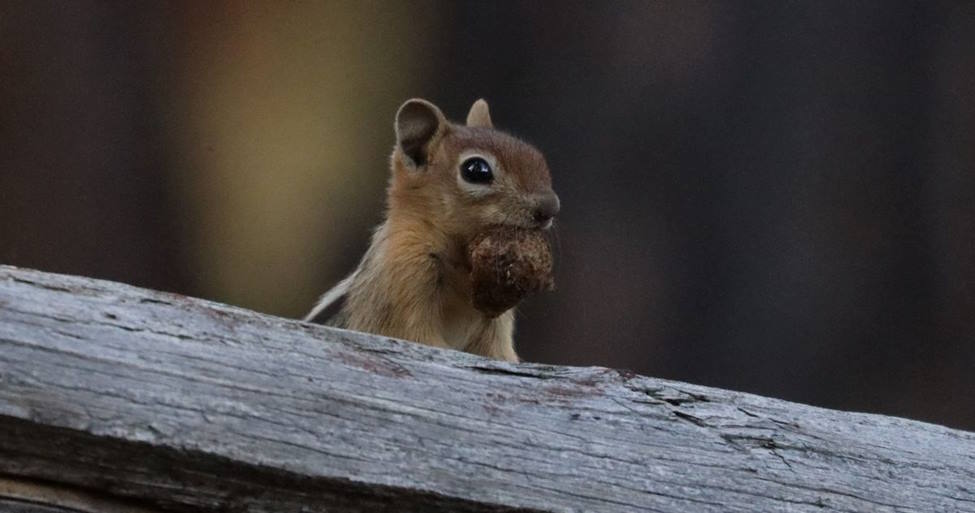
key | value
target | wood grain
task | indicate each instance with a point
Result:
(187, 405)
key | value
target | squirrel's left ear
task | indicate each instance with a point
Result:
(479, 116)
(419, 127)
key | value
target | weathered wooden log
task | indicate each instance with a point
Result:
(168, 403)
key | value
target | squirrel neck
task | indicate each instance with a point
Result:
(416, 222)
(410, 237)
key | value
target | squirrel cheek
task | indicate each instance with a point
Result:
(492, 214)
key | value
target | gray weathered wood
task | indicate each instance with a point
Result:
(187, 405)
(18, 506)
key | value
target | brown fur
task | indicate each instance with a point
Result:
(414, 281)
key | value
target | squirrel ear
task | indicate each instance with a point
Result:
(419, 124)
(479, 115)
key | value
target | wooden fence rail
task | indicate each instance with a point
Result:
(115, 398)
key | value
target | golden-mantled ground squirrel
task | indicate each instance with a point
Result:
(449, 182)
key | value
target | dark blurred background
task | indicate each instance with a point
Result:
(776, 197)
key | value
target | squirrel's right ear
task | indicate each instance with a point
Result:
(479, 115)
(419, 126)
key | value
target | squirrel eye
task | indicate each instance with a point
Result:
(476, 170)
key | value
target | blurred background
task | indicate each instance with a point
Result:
(775, 197)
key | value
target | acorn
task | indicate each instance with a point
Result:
(507, 264)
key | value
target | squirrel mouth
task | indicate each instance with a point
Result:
(534, 223)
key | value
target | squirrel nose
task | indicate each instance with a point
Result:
(546, 208)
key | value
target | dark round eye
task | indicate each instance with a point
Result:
(476, 170)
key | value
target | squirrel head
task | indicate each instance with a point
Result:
(464, 178)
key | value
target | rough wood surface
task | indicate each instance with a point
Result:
(187, 405)
(17, 506)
